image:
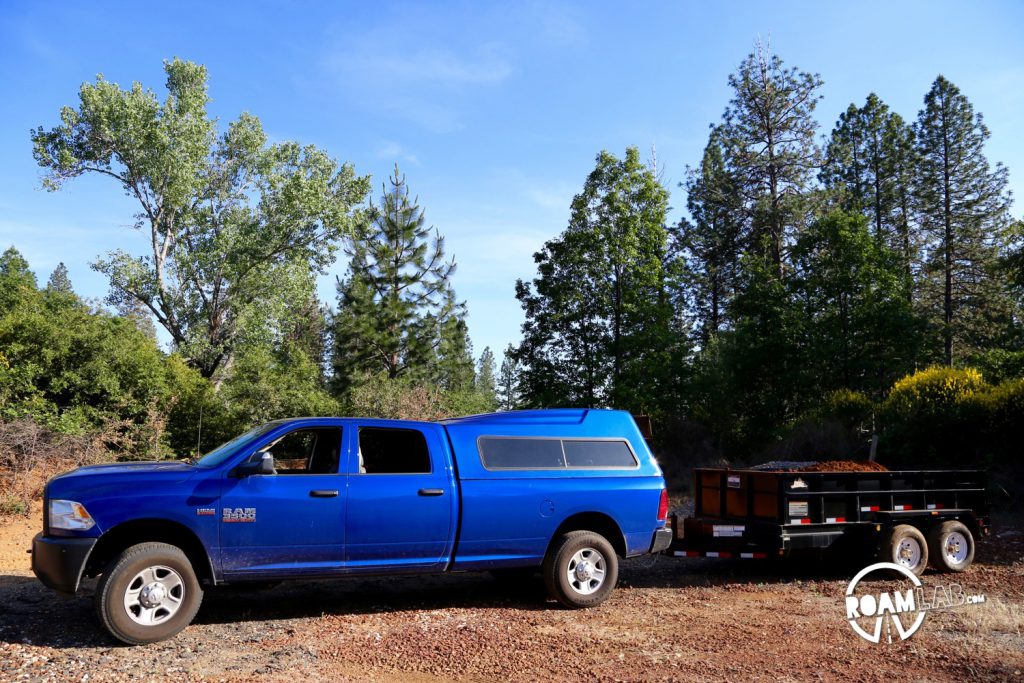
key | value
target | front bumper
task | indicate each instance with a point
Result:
(662, 539)
(59, 562)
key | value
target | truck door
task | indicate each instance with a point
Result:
(401, 502)
(291, 521)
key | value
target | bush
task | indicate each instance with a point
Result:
(30, 454)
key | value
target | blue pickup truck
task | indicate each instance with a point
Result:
(567, 492)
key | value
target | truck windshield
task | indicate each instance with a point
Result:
(224, 451)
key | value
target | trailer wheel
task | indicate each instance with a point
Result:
(581, 569)
(905, 545)
(148, 593)
(952, 546)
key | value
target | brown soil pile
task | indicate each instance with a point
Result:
(845, 466)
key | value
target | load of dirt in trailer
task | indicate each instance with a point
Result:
(822, 466)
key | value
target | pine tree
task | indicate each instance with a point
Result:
(59, 280)
(962, 206)
(598, 315)
(712, 243)
(486, 383)
(769, 134)
(508, 381)
(397, 312)
(869, 161)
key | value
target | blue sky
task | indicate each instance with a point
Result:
(495, 111)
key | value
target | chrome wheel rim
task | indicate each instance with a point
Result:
(955, 547)
(908, 553)
(586, 571)
(154, 595)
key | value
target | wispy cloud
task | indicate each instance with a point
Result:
(417, 69)
(484, 64)
(392, 151)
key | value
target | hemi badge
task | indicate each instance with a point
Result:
(206, 512)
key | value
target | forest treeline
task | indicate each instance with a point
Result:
(821, 290)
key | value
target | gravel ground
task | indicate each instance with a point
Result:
(669, 619)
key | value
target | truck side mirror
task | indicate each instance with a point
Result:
(259, 463)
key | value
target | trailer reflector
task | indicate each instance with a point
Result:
(754, 556)
(936, 506)
(901, 508)
(835, 519)
(805, 520)
(869, 508)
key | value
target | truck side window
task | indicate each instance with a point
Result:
(392, 451)
(586, 453)
(541, 453)
(308, 451)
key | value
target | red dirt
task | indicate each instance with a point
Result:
(845, 466)
(669, 620)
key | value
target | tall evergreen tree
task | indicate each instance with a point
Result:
(598, 315)
(507, 387)
(869, 160)
(397, 312)
(59, 280)
(486, 382)
(962, 206)
(712, 243)
(861, 332)
(769, 134)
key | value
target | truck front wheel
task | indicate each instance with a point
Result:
(148, 593)
(581, 569)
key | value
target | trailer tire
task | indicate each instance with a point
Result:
(581, 569)
(148, 593)
(906, 546)
(951, 545)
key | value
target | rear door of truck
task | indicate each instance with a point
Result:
(402, 497)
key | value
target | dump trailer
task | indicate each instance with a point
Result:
(911, 518)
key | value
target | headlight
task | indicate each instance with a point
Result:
(67, 514)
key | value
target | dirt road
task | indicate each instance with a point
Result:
(673, 620)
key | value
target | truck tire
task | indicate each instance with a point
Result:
(951, 545)
(905, 545)
(581, 569)
(148, 593)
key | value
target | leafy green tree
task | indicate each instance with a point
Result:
(769, 134)
(962, 206)
(397, 311)
(870, 158)
(16, 279)
(598, 315)
(224, 214)
(74, 369)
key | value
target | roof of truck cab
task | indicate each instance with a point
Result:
(548, 416)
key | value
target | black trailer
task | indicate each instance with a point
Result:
(907, 517)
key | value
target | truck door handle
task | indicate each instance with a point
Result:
(431, 492)
(323, 493)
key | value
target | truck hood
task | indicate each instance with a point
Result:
(130, 468)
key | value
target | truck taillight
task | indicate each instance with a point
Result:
(663, 505)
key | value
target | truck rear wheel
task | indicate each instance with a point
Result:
(952, 546)
(905, 545)
(581, 569)
(148, 593)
